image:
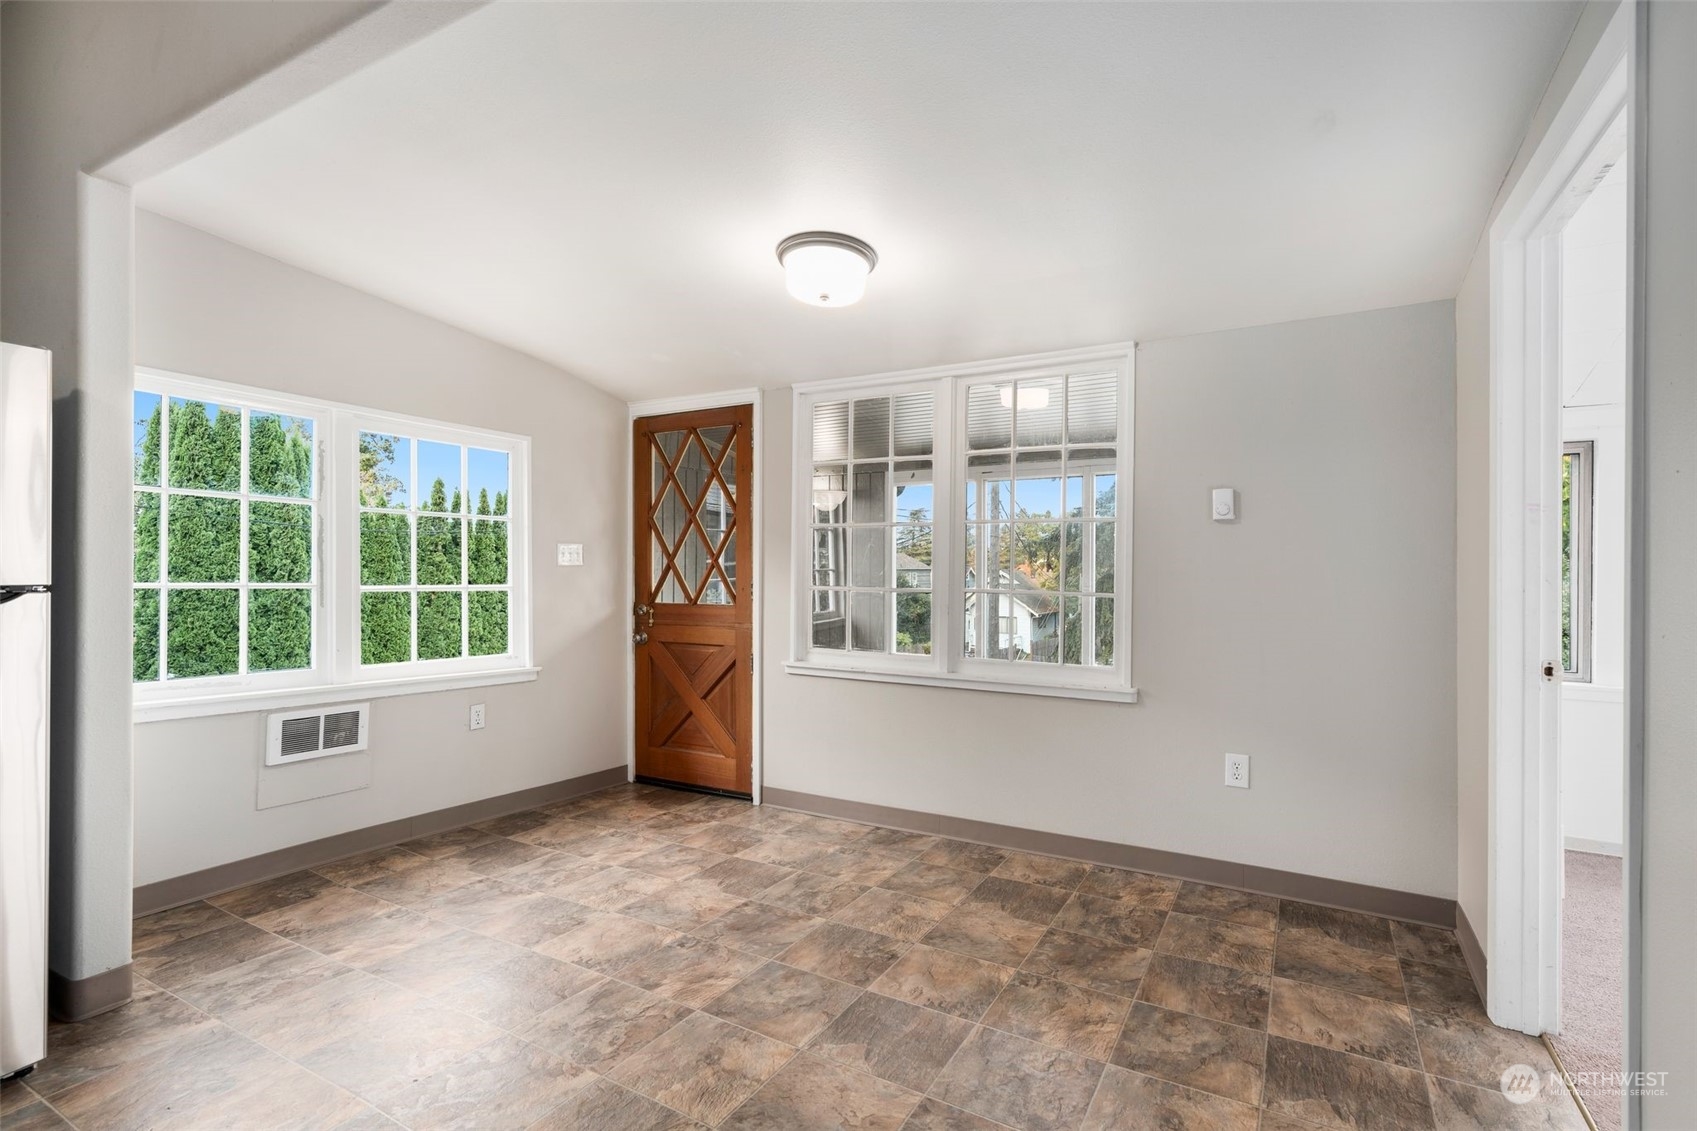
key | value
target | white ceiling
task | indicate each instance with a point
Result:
(602, 185)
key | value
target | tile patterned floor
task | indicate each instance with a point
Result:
(640, 958)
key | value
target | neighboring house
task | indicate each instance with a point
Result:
(1025, 621)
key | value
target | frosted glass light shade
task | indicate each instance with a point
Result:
(826, 268)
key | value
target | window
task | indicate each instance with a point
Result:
(285, 545)
(963, 526)
(1578, 462)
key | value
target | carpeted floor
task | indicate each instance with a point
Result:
(1593, 942)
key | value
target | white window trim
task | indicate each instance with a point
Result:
(946, 666)
(337, 673)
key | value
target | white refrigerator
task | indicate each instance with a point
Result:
(26, 471)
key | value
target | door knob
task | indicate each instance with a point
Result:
(639, 638)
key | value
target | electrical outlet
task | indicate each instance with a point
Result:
(1237, 771)
(477, 716)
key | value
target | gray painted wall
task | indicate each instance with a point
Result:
(1316, 635)
(214, 310)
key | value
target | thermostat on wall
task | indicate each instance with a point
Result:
(1225, 504)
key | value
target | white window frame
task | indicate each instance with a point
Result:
(946, 665)
(337, 673)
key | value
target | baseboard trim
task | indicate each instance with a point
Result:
(178, 890)
(1392, 904)
(1586, 844)
(78, 999)
(1471, 951)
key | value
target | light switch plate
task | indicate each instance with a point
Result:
(570, 553)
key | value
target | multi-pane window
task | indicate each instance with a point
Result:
(225, 520)
(1577, 468)
(1040, 486)
(282, 543)
(968, 526)
(433, 549)
(873, 513)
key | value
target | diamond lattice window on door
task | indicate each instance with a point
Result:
(692, 516)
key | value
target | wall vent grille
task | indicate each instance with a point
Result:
(302, 735)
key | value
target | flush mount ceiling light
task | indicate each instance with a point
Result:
(826, 268)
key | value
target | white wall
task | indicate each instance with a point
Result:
(212, 309)
(1593, 370)
(1316, 635)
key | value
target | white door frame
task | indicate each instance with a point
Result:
(1523, 928)
(695, 403)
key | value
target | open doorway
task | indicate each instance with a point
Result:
(1592, 729)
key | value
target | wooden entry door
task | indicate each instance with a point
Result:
(694, 614)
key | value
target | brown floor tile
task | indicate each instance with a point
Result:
(683, 905)
(449, 842)
(1223, 993)
(812, 894)
(383, 1059)
(1443, 989)
(1462, 1107)
(1118, 920)
(601, 1105)
(551, 873)
(785, 851)
(324, 910)
(703, 1067)
(436, 964)
(1233, 906)
(301, 1015)
(479, 899)
(615, 849)
(855, 865)
(932, 881)
(1053, 871)
(1093, 963)
(188, 959)
(1130, 1101)
(34, 1115)
(1061, 1016)
(1335, 1089)
(607, 941)
(892, 1040)
(1309, 956)
(742, 877)
(689, 970)
(1035, 903)
(1420, 943)
(965, 855)
(152, 1020)
(677, 825)
(269, 895)
(601, 1026)
(1196, 1052)
(368, 867)
(905, 917)
(809, 1092)
(1473, 1053)
(1133, 887)
(758, 928)
(784, 1003)
(1017, 1082)
(513, 992)
(1364, 932)
(498, 856)
(895, 842)
(725, 839)
(1343, 1021)
(505, 1083)
(935, 1115)
(985, 932)
(163, 928)
(845, 953)
(514, 823)
(827, 830)
(945, 981)
(366, 942)
(234, 1081)
(612, 888)
(1214, 940)
(236, 992)
(533, 921)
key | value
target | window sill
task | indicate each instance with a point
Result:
(965, 682)
(279, 699)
